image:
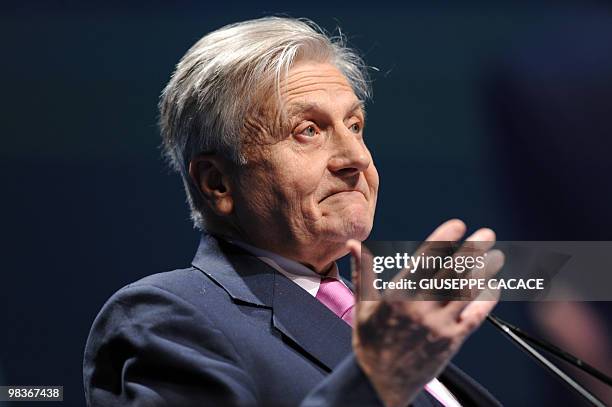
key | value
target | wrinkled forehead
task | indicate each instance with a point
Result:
(309, 79)
(309, 86)
(306, 87)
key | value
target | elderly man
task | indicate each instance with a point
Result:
(264, 121)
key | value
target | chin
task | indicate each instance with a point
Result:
(347, 222)
(361, 232)
(353, 228)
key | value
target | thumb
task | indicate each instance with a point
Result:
(361, 271)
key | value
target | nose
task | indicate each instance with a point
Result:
(351, 156)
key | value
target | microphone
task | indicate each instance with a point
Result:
(520, 339)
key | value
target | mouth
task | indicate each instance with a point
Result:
(345, 193)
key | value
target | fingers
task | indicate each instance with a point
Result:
(474, 246)
(362, 271)
(354, 248)
(484, 235)
(495, 261)
(450, 231)
(471, 313)
(474, 314)
(479, 243)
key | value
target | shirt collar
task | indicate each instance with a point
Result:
(306, 278)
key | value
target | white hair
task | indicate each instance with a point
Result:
(219, 80)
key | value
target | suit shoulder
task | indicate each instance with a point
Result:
(186, 286)
(176, 281)
(158, 299)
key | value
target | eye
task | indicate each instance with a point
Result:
(309, 131)
(355, 127)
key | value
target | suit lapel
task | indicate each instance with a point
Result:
(302, 320)
(309, 324)
(245, 278)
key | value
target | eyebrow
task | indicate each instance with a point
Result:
(299, 107)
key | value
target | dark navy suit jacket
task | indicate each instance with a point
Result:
(230, 331)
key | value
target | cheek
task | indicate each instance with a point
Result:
(256, 195)
(371, 176)
(286, 196)
(302, 180)
(307, 190)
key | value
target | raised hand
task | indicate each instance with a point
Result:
(402, 344)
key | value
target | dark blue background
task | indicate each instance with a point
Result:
(496, 114)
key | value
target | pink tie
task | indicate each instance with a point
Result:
(340, 300)
(337, 297)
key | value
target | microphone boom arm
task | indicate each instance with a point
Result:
(519, 339)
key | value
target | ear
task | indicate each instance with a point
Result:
(211, 174)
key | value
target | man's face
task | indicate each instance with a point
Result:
(308, 190)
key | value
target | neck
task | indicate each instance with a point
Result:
(318, 263)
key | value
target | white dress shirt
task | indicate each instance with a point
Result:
(306, 278)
